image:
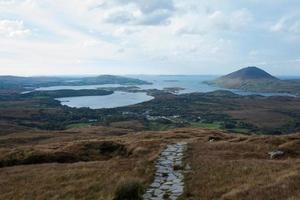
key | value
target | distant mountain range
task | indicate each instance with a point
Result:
(254, 79)
(111, 79)
(17, 82)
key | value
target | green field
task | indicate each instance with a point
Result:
(214, 125)
(79, 125)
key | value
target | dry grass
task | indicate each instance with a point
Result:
(133, 125)
(261, 118)
(234, 167)
(240, 168)
(96, 179)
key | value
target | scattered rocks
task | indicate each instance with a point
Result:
(275, 154)
(168, 182)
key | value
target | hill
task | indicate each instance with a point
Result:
(253, 73)
(18, 82)
(254, 79)
(111, 79)
(91, 163)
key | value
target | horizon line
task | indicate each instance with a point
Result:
(113, 74)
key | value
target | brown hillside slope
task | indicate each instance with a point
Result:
(238, 167)
(90, 163)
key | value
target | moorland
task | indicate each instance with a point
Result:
(51, 151)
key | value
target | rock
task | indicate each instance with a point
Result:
(155, 185)
(158, 193)
(165, 187)
(275, 154)
(147, 196)
(171, 177)
(187, 167)
(213, 138)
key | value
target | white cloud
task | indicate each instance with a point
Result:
(287, 25)
(241, 19)
(216, 21)
(280, 26)
(123, 31)
(6, 2)
(13, 28)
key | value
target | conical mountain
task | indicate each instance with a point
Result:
(249, 73)
(254, 79)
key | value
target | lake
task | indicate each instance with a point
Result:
(117, 99)
(190, 83)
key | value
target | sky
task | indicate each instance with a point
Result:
(82, 37)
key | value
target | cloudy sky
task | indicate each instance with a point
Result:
(43, 37)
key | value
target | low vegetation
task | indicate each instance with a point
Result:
(222, 165)
(85, 151)
(239, 167)
(217, 110)
(130, 190)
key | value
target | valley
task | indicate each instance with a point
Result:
(217, 110)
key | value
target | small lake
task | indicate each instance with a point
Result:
(117, 99)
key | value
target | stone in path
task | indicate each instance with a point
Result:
(168, 181)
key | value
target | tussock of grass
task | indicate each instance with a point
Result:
(131, 189)
(83, 151)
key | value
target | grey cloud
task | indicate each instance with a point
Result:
(154, 12)
(155, 18)
(120, 17)
(149, 6)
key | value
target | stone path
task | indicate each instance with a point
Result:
(168, 182)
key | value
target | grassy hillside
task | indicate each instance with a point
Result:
(229, 167)
(239, 167)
